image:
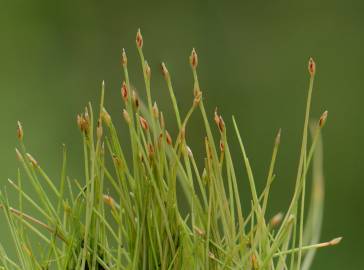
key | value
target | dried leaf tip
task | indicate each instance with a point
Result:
(124, 91)
(193, 59)
(143, 123)
(124, 59)
(311, 67)
(323, 119)
(19, 131)
(335, 241)
(139, 39)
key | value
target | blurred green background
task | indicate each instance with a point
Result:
(252, 63)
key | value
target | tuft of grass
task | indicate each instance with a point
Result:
(139, 223)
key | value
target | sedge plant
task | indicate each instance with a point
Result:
(137, 222)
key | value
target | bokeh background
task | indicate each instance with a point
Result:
(252, 63)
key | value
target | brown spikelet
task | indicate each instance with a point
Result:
(222, 146)
(19, 156)
(139, 39)
(164, 71)
(276, 219)
(150, 150)
(99, 130)
(219, 121)
(108, 200)
(20, 132)
(155, 110)
(136, 100)
(311, 67)
(323, 119)
(199, 231)
(168, 138)
(106, 117)
(126, 116)
(32, 160)
(148, 71)
(161, 120)
(124, 59)
(193, 59)
(124, 91)
(143, 123)
(197, 98)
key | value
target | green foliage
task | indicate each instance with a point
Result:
(141, 225)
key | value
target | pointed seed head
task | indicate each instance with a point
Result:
(323, 119)
(32, 160)
(148, 71)
(126, 116)
(106, 117)
(161, 120)
(155, 110)
(20, 132)
(143, 123)
(99, 130)
(311, 67)
(165, 71)
(124, 91)
(193, 59)
(276, 219)
(139, 39)
(168, 138)
(109, 201)
(19, 156)
(124, 59)
(135, 100)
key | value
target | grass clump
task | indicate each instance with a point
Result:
(139, 223)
